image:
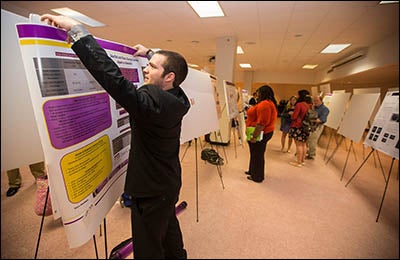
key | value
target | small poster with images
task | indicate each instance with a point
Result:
(383, 134)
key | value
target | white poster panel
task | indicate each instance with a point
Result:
(84, 133)
(327, 99)
(339, 91)
(20, 141)
(325, 88)
(314, 91)
(216, 96)
(231, 99)
(378, 103)
(357, 115)
(384, 132)
(337, 107)
(202, 117)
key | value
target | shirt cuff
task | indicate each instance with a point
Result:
(77, 31)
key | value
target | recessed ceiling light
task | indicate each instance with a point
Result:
(245, 65)
(388, 2)
(310, 66)
(206, 8)
(239, 50)
(78, 16)
(193, 65)
(335, 48)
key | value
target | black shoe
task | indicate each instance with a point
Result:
(250, 178)
(308, 157)
(247, 173)
(12, 191)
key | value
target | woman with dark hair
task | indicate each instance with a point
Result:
(296, 131)
(302, 93)
(262, 117)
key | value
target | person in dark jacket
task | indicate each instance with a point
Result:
(156, 109)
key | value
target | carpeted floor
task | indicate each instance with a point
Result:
(295, 213)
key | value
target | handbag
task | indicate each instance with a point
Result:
(41, 192)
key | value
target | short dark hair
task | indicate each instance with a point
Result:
(175, 63)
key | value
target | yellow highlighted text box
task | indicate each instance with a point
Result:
(85, 169)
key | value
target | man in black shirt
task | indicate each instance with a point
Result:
(156, 109)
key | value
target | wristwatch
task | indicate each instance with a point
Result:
(149, 54)
(77, 31)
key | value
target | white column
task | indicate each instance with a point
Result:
(224, 70)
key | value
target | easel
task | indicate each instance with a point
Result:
(386, 179)
(329, 140)
(369, 126)
(41, 227)
(219, 170)
(235, 127)
(337, 145)
(335, 150)
(223, 148)
(347, 158)
(187, 147)
(197, 175)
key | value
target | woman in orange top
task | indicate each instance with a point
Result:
(263, 117)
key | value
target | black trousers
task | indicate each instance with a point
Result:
(155, 228)
(257, 159)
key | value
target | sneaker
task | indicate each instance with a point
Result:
(308, 157)
(288, 151)
(247, 173)
(296, 164)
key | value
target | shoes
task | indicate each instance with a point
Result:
(308, 157)
(296, 164)
(12, 191)
(288, 151)
(247, 173)
(249, 178)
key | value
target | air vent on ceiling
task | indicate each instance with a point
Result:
(355, 56)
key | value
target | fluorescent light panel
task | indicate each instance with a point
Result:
(309, 66)
(245, 65)
(388, 2)
(206, 8)
(239, 50)
(78, 16)
(335, 48)
(193, 65)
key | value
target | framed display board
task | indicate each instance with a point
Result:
(337, 106)
(357, 115)
(232, 98)
(383, 134)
